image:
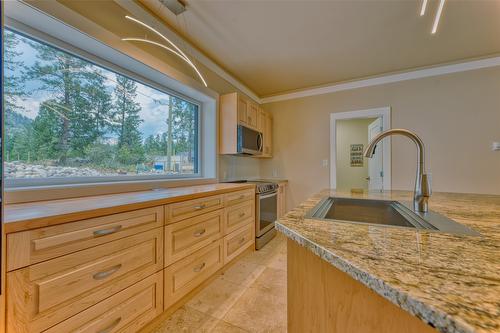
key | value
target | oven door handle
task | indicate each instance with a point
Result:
(268, 195)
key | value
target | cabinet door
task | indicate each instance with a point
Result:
(261, 121)
(252, 114)
(268, 136)
(242, 110)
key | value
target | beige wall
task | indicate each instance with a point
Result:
(351, 131)
(456, 115)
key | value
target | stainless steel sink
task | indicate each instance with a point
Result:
(386, 213)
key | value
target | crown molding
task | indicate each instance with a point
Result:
(385, 79)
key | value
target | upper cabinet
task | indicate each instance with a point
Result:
(236, 109)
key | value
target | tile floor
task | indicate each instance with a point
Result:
(249, 297)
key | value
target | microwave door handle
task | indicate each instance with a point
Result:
(259, 141)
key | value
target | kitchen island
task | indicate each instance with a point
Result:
(347, 277)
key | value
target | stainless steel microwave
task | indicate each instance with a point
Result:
(249, 141)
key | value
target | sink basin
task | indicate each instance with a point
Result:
(384, 213)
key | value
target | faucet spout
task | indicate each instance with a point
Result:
(422, 182)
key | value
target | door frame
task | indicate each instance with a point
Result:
(385, 114)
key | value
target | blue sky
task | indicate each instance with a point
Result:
(153, 114)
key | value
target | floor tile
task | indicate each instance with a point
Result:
(243, 273)
(217, 298)
(223, 327)
(187, 320)
(272, 280)
(257, 310)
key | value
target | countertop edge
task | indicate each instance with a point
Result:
(22, 224)
(429, 315)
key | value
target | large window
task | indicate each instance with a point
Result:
(68, 118)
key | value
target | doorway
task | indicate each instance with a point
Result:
(350, 133)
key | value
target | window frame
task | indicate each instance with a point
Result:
(43, 38)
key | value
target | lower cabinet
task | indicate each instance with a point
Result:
(112, 280)
(188, 273)
(126, 311)
(238, 241)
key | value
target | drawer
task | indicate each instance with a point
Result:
(188, 273)
(187, 236)
(186, 209)
(238, 216)
(44, 294)
(126, 311)
(238, 241)
(34, 246)
(235, 198)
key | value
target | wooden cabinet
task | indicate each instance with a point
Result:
(47, 293)
(282, 199)
(235, 110)
(186, 274)
(185, 237)
(186, 209)
(238, 241)
(126, 311)
(37, 245)
(116, 273)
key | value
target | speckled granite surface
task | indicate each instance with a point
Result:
(451, 282)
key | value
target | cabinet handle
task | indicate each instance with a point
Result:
(199, 268)
(113, 325)
(198, 233)
(105, 274)
(242, 214)
(241, 241)
(200, 207)
(104, 232)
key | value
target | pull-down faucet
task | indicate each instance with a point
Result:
(422, 183)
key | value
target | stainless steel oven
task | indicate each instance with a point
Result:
(267, 213)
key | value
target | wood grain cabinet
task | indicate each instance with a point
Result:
(37, 245)
(117, 273)
(235, 109)
(282, 199)
(126, 311)
(188, 273)
(46, 293)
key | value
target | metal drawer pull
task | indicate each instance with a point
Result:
(104, 232)
(105, 274)
(242, 214)
(199, 232)
(241, 240)
(113, 325)
(200, 207)
(199, 268)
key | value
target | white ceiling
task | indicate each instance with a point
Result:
(280, 46)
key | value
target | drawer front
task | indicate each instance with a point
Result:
(49, 292)
(238, 241)
(186, 209)
(238, 216)
(235, 198)
(34, 246)
(187, 236)
(126, 311)
(186, 274)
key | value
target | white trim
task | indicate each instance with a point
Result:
(390, 78)
(139, 12)
(385, 113)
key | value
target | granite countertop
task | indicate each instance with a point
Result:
(451, 282)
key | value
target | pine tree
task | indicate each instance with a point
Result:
(127, 121)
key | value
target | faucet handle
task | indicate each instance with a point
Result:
(426, 185)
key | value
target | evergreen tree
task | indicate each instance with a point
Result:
(127, 121)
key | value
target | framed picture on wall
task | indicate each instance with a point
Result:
(356, 155)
